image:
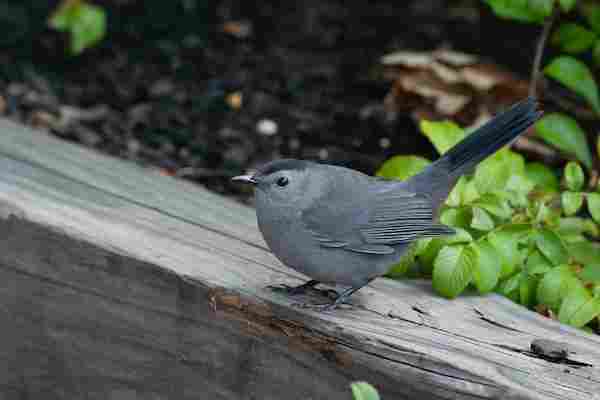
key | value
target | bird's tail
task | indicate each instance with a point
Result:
(501, 130)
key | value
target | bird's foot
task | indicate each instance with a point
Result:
(340, 299)
(302, 289)
(287, 289)
(318, 307)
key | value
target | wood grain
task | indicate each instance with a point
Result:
(117, 282)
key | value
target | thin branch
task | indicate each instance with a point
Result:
(562, 101)
(539, 51)
(537, 149)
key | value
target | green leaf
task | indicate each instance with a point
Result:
(400, 269)
(486, 269)
(596, 53)
(567, 5)
(542, 176)
(553, 214)
(571, 202)
(593, 203)
(519, 183)
(494, 205)
(573, 38)
(421, 245)
(85, 22)
(564, 133)
(551, 246)
(576, 76)
(457, 217)
(494, 172)
(537, 263)
(62, 18)
(592, 15)
(454, 199)
(363, 391)
(555, 286)
(574, 176)
(443, 135)
(402, 167)
(527, 289)
(579, 308)
(452, 270)
(514, 162)
(576, 225)
(585, 252)
(505, 243)
(427, 257)
(89, 29)
(461, 236)
(539, 212)
(481, 220)
(510, 287)
(590, 273)
(470, 192)
(522, 10)
(591, 228)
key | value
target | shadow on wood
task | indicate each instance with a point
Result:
(120, 283)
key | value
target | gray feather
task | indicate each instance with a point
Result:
(371, 249)
(373, 221)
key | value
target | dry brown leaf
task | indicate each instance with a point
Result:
(444, 82)
(408, 59)
(455, 58)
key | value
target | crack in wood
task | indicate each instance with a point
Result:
(485, 318)
(528, 353)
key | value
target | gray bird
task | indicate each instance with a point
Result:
(337, 225)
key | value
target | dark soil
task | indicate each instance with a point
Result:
(184, 85)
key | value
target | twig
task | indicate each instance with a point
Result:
(539, 51)
(542, 151)
(593, 182)
(567, 104)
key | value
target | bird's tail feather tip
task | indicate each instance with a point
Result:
(501, 130)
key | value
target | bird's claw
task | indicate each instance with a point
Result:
(289, 290)
(323, 306)
(318, 307)
(303, 289)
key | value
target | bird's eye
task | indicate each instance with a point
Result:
(282, 181)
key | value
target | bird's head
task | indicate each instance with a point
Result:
(285, 182)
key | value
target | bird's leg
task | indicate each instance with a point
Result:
(294, 290)
(339, 300)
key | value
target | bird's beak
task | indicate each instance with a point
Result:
(244, 179)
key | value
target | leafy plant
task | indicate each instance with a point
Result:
(520, 232)
(85, 22)
(573, 27)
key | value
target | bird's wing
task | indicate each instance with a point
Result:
(372, 221)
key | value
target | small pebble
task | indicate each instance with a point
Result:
(234, 100)
(133, 147)
(385, 143)
(294, 144)
(239, 29)
(267, 127)
(161, 87)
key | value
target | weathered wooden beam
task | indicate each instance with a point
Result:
(117, 282)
